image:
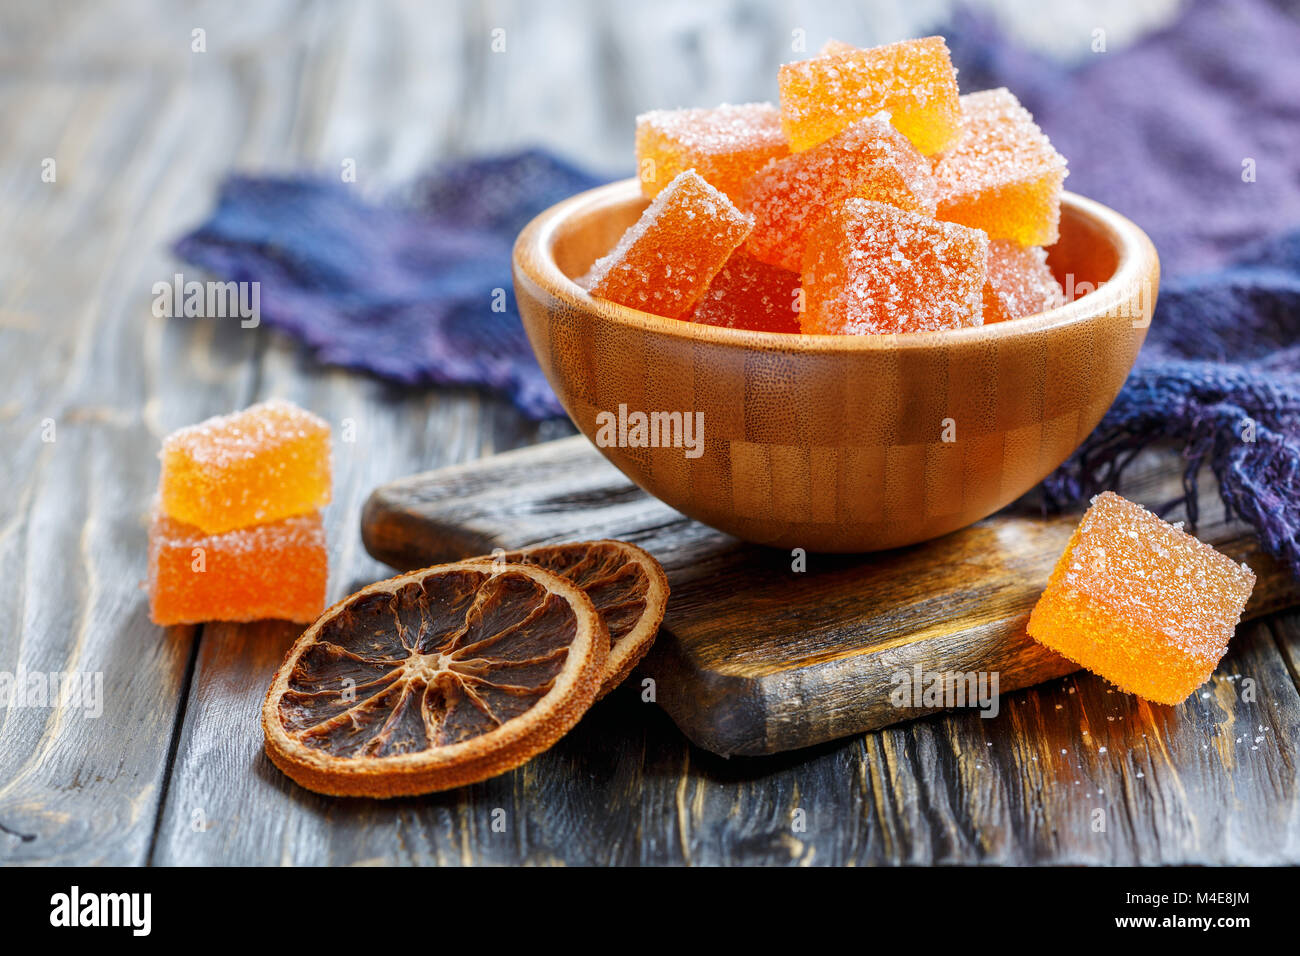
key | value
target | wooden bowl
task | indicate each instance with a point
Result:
(826, 442)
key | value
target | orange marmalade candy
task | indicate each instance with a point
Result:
(269, 461)
(1019, 282)
(873, 268)
(913, 80)
(1141, 603)
(833, 46)
(749, 294)
(1002, 175)
(274, 570)
(869, 160)
(725, 145)
(666, 260)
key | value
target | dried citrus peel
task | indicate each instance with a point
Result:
(435, 679)
(627, 586)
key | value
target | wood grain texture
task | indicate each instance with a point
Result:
(142, 129)
(1173, 785)
(844, 443)
(761, 651)
(83, 409)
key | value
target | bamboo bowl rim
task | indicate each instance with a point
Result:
(534, 257)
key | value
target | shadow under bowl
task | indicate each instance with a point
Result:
(834, 442)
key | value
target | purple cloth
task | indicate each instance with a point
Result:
(1219, 376)
(406, 289)
(1160, 130)
(416, 291)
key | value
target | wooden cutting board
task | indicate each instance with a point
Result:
(764, 650)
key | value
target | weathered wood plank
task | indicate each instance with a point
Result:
(249, 812)
(79, 359)
(143, 129)
(226, 802)
(762, 651)
(1173, 785)
(1170, 785)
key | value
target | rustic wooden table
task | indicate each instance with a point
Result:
(140, 129)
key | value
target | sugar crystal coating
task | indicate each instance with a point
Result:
(872, 268)
(833, 46)
(749, 294)
(1002, 174)
(274, 570)
(666, 260)
(266, 462)
(1141, 603)
(1019, 282)
(914, 81)
(868, 160)
(725, 145)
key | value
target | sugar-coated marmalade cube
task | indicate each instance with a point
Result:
(725, 145)
(666, 260)
(749, 294)
(833, 46)
(873, 268)
(1019, 282)
(267, 462)
(1141, 603)
(1002, 174)
(273, 570)
(868, 160)
(914, 81)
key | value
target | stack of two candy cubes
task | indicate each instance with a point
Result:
(237, 534)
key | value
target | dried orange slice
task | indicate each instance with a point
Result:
(435, 679)
(627, 586)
